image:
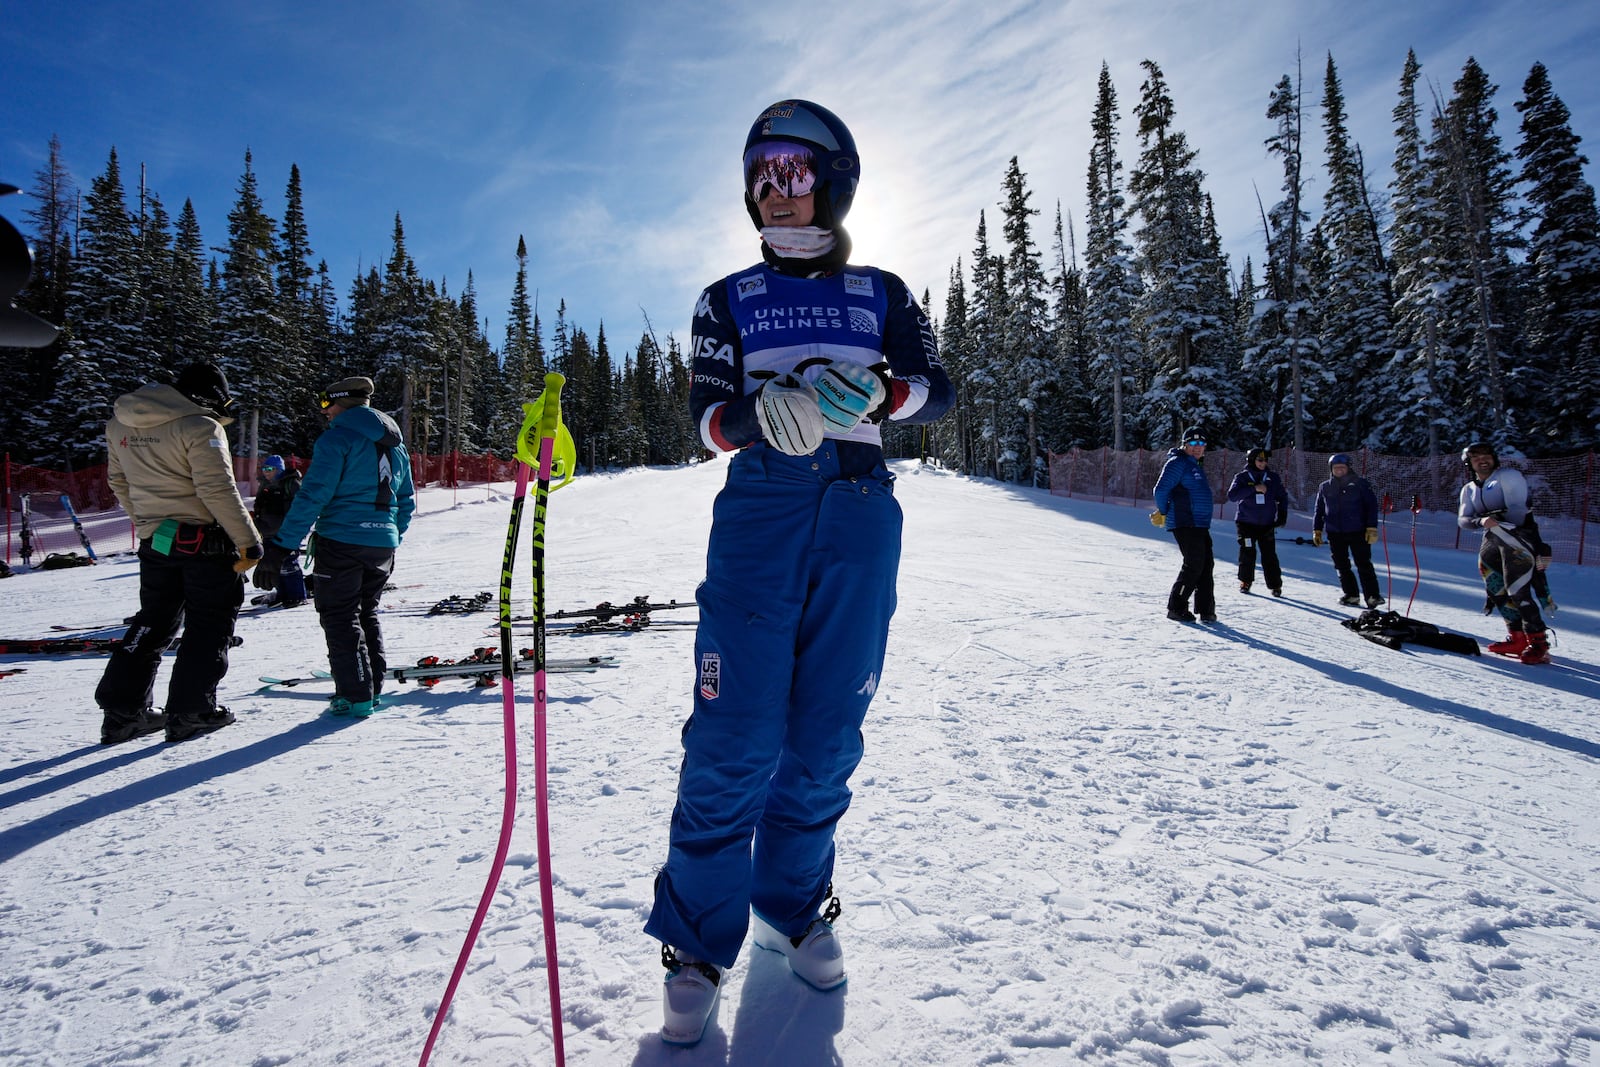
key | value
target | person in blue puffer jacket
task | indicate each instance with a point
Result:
(358, 494)
(1263, 507)
(1183, 508)
(1347, 509)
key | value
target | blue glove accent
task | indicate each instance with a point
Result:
(846, 393)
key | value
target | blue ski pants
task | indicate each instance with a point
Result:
(794, 618)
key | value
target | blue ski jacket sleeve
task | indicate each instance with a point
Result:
(759, 323)
(358, 487)
(1182, 493)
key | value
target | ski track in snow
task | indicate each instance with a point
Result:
(1081, 832)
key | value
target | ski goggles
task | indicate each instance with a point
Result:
(783, 167)
(1196, 441)
(327, 399)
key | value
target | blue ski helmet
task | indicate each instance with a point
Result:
(273, 463)
(1338, 458)
(837, 167)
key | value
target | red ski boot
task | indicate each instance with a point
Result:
(1515, 644)
(1538, 650)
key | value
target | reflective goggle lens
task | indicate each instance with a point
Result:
(1195, 441)
(783, 167)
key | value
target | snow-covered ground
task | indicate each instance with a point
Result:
(1081, 832)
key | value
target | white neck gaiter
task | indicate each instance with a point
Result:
(799, 242)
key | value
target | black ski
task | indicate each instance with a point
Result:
(426, 673)
(639, 605)
(65, 646)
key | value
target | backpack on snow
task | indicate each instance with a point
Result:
(1392, 630)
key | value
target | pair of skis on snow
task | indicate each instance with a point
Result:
(430, 669)
(28, 532)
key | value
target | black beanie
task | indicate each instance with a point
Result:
(206, 385)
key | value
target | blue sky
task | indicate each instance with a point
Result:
(608, 134)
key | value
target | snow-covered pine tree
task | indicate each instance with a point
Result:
(1183, 312)
(250, 326)
(1356, 296)
(1030, 363)
(1416, 388)
(1112, 283)
(1282, 343)
(192, 308)
(1563, 322)
(520, 363)
(1072, 416)
(1475, 186)
(300, 314)
(955, 351)
(107, 354)
(408, 354)
(986, 376)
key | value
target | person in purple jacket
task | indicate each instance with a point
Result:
(1263, 508)
(1347, 509)
(798, 361)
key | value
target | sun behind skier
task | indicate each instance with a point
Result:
(797, 361)
(1495, 500)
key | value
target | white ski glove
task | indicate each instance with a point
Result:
(789, 417)
(848, 392)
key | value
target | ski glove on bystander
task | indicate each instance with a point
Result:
(272, 557)
(1372, 535)
(1316, 538)
(789, 416)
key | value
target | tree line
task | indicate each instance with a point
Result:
(138, 295)
(1459, 302)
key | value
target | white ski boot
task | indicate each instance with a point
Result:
(688, 997)
(815, 957)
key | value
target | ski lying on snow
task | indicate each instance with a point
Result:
(583, 664)
(51, 646)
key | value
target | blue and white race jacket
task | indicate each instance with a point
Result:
(1504, 494)
(759, 323)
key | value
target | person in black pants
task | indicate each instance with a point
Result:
(168, 464)
(1347, 509)
(358, 495)
(1263, 508)
(1183, 502)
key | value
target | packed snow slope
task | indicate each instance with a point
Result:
(1082, 833)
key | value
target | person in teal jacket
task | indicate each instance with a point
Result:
(358, 495)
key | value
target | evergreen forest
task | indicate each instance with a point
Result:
(1455, 298)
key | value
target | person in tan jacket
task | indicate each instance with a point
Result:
(169, 465)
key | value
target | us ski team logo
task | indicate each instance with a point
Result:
(710, 675)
